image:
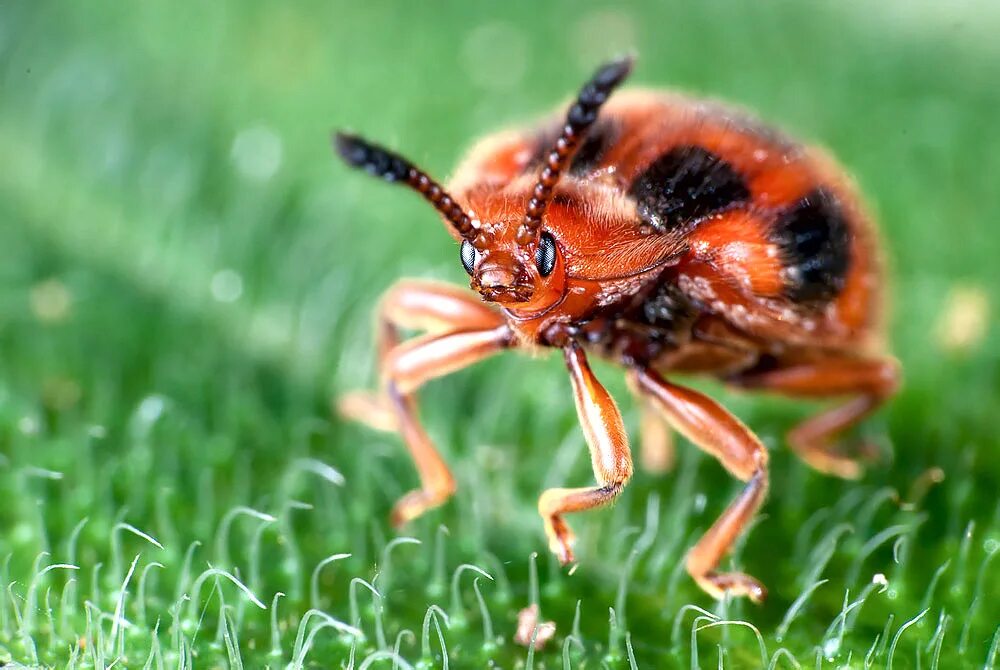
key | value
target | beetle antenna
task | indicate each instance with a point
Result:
(380, 162)
(579, 119)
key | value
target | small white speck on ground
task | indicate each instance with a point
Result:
(529, 627)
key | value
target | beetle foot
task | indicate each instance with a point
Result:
(836, 466)
(721, 584)
(830, 463)
(416, 502)
(408, 508)
(561, 539)
(830, 459)
(368, 408)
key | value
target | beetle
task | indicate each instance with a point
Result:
(666, 234)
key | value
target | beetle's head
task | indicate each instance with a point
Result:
(511, 259)
(523, 276)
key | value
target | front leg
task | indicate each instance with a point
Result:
(462, 331)
(407, 367)
(420, 305)
(609, 455)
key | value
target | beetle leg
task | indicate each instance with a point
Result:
(656, 440)
(420, 305)
(407, 367)
(709, 426)
(609, 455)
(462, 331)
(871, 382)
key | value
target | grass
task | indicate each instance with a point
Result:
(188, 278)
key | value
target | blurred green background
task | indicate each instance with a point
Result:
(188, 278)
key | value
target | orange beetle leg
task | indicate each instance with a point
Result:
(872, 382)
(471, 332)
(609, 454)
(419, 305)
(657, 452)
(709, 426)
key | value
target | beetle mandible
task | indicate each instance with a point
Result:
(666, 234)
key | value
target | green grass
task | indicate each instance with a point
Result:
(188, 276)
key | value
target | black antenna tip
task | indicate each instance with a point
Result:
(355, 151)
(373, 159)
(612, 73)
(597, 90)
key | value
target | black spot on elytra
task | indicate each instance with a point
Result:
(685, 184)
(814, 238)
(602, 135)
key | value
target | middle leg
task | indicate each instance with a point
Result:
(709, 426)
(656, 440)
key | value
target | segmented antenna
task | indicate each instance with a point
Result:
(579, 119)
(392, 167)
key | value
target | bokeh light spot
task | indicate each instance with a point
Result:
(495, 55)
(964, 320)
(227, 285)
(257, 153)
(50, 301)
(603, 34)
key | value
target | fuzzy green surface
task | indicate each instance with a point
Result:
(188, 278)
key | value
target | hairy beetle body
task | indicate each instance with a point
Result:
(664, 233)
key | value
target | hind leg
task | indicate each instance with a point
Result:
(867, 382)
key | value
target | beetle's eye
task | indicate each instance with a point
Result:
(545, 255)
(468, 253)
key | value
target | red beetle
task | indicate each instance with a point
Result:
(664, 233)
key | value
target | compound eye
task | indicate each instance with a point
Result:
(545, 255)
(468, 254)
